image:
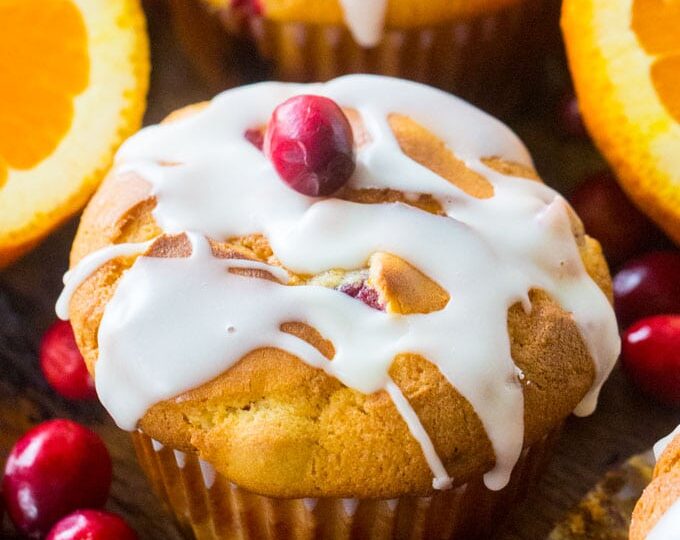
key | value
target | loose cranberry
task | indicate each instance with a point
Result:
(55, 468)
(92, 525)
(63, 365)
(255, 137)
(249, 7)
(309, 141)
(651, 357)
(361, 291)
(611, 218)
(569, 116)
(649, 285)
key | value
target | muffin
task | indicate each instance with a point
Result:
(483, 50)
(657, 514)
(342, 310)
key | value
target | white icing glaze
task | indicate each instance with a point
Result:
(90, 263)
(490, 253)
(668, 526)
(662, 444)
(365, 20)
(441, 477)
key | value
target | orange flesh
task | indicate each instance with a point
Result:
(666, 79)
(656, 24)
(44, 64)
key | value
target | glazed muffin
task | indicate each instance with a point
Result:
(657, 513)
(483, 50)
(339, 310)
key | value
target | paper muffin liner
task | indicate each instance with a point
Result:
(205, 42)
(487, 59)
(209, 507)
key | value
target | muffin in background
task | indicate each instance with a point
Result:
(657, 514)
(218, 57)
(486, 51)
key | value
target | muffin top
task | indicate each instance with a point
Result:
(657, 514)
(439, 312)
(366, 19)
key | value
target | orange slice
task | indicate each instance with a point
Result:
(624, 57)
(74, 76)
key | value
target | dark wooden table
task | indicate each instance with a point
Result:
(624, 424)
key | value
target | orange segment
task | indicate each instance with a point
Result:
(655, 22)
(3, 172)
(36, 106)
(666, 79)
(624, 57)
(74, 81)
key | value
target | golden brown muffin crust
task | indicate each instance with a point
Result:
(275, 425)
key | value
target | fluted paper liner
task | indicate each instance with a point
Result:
(487, 59)
(206, 504)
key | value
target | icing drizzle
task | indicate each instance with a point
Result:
(661, 445)
(365, 20)
(489, 254)
(667, 526)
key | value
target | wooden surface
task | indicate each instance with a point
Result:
(606, 510)
(624, 423)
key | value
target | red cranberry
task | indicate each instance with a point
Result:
(649, 285)
(248, 7)
(651, 357)
(92, 525)
(611, 218)
(569, 116)
(361, 291)
(309, 141)
(55, 468)
(63, 365)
